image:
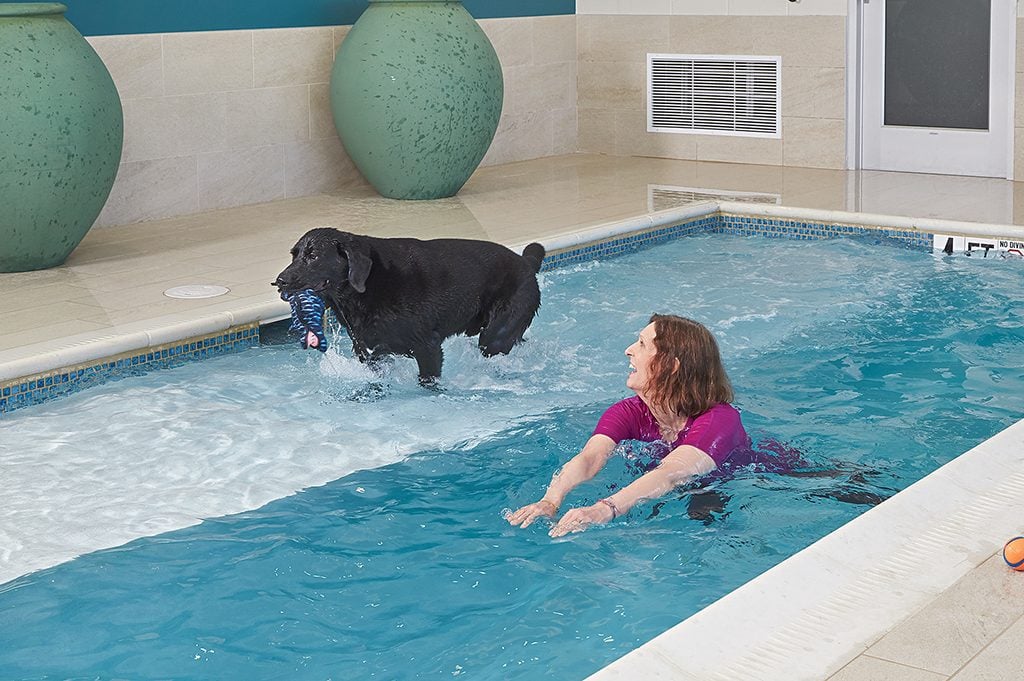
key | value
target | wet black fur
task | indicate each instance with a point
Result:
(405, 296)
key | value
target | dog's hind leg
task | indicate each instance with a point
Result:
(509, 320)
(429, 359)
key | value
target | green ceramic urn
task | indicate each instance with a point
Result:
(61, 130)
(416, 94)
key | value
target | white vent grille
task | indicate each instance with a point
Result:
(714, 94)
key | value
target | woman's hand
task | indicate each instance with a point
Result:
(579, 519)
(525, 516)
(580, 468)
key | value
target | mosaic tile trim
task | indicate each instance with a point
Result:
(630, 243)
(803, 229)
(30, 390)
(728, 223)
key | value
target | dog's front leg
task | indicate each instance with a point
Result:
(380, 363)
(359, 349)
(429, 360)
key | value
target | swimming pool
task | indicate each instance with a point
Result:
(879, 361)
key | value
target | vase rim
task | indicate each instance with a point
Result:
(31, 9)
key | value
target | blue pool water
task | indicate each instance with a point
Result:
(394, 562)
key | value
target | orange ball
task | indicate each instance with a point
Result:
(1013, 553)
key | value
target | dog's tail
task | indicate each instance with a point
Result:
(534, 254)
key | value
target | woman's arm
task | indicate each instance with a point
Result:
(580, 468)
(682, 463)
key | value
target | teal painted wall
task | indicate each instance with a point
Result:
(116, 17)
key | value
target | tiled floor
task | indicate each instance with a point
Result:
(973, 631)
(113, 285)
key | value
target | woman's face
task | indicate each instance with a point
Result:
(640, 355)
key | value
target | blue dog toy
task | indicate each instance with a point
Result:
(307, 318)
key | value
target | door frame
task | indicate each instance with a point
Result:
(855, 85)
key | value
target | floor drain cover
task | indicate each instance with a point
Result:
(196, 291)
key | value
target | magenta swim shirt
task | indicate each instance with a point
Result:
(717, 432)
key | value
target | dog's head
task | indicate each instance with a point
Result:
(325, 258)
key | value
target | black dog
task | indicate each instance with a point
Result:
(405, 296)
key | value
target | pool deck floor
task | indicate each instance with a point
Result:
(962, 620)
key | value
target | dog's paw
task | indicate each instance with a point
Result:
(432, 383)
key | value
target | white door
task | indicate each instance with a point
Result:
(937, 89)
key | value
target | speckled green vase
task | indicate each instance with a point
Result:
(416, 94)
(61, 130)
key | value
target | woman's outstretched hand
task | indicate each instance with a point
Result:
(579, 519)
(525, 516)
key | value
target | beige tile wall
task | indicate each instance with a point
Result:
(538, 62)
(612, 84)
(221, 119)
(228, 118)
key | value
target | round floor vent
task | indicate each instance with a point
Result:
(193, 291)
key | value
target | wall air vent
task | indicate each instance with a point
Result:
(714, 94)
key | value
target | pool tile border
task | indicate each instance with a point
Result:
(731, 223)
(48, 385)
(601, 242)
(720, 222)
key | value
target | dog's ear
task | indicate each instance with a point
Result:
(358, 267)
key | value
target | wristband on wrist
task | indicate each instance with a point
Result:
(610, 504)
(553, 504)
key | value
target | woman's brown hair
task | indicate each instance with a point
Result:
(687, 376)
